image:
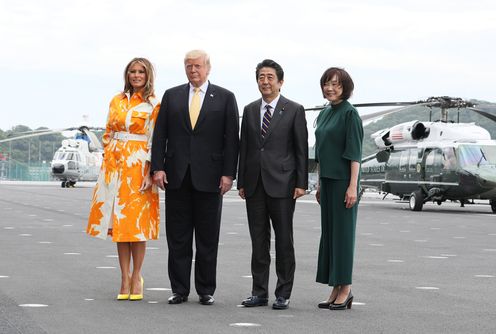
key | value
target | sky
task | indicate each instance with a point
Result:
(62, 61)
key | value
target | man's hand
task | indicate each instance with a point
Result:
(241, 193)
(317, 194)
(225, 184)
(160, 179)
(298, 192)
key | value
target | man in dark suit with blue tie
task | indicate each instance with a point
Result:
(273, 173)
(194, 157)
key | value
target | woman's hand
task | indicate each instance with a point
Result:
(147, 182)
(350, 197)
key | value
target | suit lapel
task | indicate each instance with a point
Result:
(256, 119)
(276, 115)
(185, 98)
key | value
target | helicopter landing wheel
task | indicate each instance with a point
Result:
(70, 184)
(493, 205)
(63, 184)
(416, 200)
(439, 202)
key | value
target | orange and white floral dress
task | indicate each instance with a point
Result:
(117, 202)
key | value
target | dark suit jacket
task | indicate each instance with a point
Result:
(282, 157)
(211, 149)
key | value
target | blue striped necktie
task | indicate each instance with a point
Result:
(266, 120)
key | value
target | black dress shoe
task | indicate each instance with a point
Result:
(207, 299)
(345, 305)
(324, 304)
(281, 303)
(177, 299)
(255, 301)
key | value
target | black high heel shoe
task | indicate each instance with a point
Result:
(346, 305)
(326, 303)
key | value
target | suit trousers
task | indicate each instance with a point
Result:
(261, 209)
(189, 211)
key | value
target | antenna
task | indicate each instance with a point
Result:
(85, 119)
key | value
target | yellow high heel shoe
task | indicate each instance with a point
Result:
(123, 296)
(140, 296)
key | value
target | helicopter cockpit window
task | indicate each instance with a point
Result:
(69, 156)
(477, 155)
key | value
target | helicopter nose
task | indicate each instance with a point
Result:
(58, 169)
(487, 180)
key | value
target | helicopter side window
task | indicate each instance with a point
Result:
(434, 162)
(404, 160)
(412, 163)
(394, 159)
(449, 158)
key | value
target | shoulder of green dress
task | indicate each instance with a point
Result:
(348, 107)
(322, 112)
(326, 108)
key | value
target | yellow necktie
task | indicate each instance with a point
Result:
(194, 107)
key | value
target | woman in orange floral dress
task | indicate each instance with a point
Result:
(125, 204)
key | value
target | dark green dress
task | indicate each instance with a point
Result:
(338, 142)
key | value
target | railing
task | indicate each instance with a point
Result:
(18, 171)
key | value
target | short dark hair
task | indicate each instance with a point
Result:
(343, 78)
(272, 64)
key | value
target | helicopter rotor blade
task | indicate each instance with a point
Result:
(316, 108)
(370, 118)
(92, 137)
(387, 104)
(484, 113)
(374, 104)
(37, 133)
(34, 134)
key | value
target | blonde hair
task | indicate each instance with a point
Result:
(194, 54)
(148, 90)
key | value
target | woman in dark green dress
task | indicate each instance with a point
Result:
(338, 151)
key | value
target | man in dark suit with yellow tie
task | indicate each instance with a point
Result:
(273, 173)
(194, 157)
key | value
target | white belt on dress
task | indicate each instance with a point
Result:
(126, 136)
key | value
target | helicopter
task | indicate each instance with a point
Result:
(78, 159)
(434, 161)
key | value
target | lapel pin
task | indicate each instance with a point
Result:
(211, 95)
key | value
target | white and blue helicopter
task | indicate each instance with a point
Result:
(78, 159)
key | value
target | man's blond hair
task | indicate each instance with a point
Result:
(194, 54)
